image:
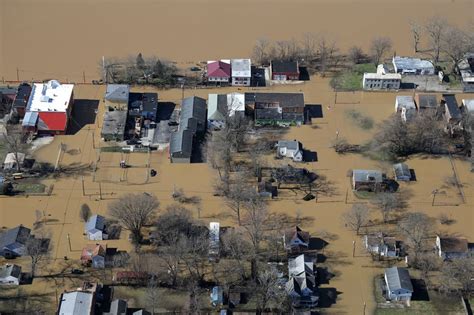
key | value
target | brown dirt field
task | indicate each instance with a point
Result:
(353, 275)
(81, 32)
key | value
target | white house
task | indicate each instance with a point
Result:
(296, 240)
(408, 65)
(76, 303)
(10, 274)
(222, 105)
(398, 283)
(405, 105)
(241, 72)
(95, 228)
(11, 163)
(381, 81)
(380, 244)
(301, 286)
(291, 149)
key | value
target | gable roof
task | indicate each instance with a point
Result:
(426, 100)
(147, 102)
(285, 66)
(95, 223)
(182, 142)
(363, 175)
(19, 234)
(454, 244)
(76, 303)
(217, 107)
(193, 107)
(289, 144)
(401, 169)
(91, 251)
(280, 99)
(398, 278)
(10, 270)
(118, 307)
(405, 101)
(219, 69)
(296, 233)
(300, 265)
(468, 105)
(452, 105)
(117, 92)
(54, 121)
(241, 68)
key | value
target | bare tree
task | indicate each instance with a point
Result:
(85, 212)
(171, 256)
(38, 248)
(356, 55)
(261, 51)
(15, 144)
(152, 295)
(236, 247)
(240, 192)
(458, 274)
(416, 226)
(388, 203)
(326, 51)
(455, 44)
(134, 211)
(427, 263)
(436, 29)
(268, 291)
(309, 44)
(379, 48)
(357, 217)
(416, 31)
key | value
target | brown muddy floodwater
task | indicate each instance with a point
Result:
(64, 38)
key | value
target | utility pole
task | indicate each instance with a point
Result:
(17, 74)
(84, 76)
(104, 74)
(353, 248)
(100, 191)
(69, 241)
(83, 188)
(365, 305)
(434, 192)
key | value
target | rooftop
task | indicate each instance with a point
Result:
(10, 270)
(454, 244)
(117, 92)
(365, 175)
(182, 142)
(280, 99)
(240, 67)
(220, 69)
(426, 100)
(114, 123)
(404, 101)
(95, 222)
(398, 278)
(411, 63)
(50, 97)
(19, 234)
(289, 144)
(469, 105)
(76, 303)
(388, 76)
(285, 66)
(22, 95)
(452, 105)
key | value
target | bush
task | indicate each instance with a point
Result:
(363, 122)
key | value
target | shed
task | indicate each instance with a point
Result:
(426, 102)
(402, 172)
(95, 228)
(10, 274)
(11, 160)
(452, 247)
(398, 282)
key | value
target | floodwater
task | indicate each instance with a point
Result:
(67, 39)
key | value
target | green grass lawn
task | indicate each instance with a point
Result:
(30, 188)
(351, 79)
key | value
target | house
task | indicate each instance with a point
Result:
(266, 189)
(409, 65)
(93, 255)
(13, 242)
(301, 286)
(405, 105)
(217, 296)
(113, 126)
(11, 162)
(398, 284)
(285, 70)
(214, 241)
(7, 95)
(452, 114)
(426, 102)
(402, 172)
(276, 108)
(10, 274)
(79, 302)
(117, 307)
(117, 96)
(50, 105)
(241, 72)
(21, 99)
(376, 81)
(370, 180)
(382, 245)
(452, 247)
(144, 105)
(218, 71)
(291, 149)
(296, 240)
(192, 122)
(466, 67)
(467, 107)
(221, 106)
(95, 228)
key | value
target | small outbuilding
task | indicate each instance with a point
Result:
(11, 162)
(452, 247)
(452, 113)
(402, 172)
(10, 274)
(398, 284)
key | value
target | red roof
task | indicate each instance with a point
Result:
(55, 121)
(218, 69)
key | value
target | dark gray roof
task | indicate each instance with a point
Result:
(284, 66)
(289, 144)
(117, 92)
(452, 105)
(144, 102)
(398, 278)
(22, 95)
(426, 101)
(19, 234)
(281, 99)
(181, 142)
(96, 222)
(118, 307)
(114, 123)
(193, 107)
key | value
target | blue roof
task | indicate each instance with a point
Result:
(96, 222)
(30, 119)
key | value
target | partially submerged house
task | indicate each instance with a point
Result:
(221, 106)
(402, 172)
(113, 126)
(382, 245)
(217, 296)
(117, 96)
(285, 70)
(49, 108)
(10, 274)
(405, 106)
(93, 255)
(78, 302)
(117, 307)
(192, 123)
(13, 242)
(301, 285)
(426, 102)
(290, 149)
(241, 72)
(452, 114)
(369, 180)
(381, 81)
(409, 65)
(219, 72)
(21, 99)
(398, 284)
(452, 247)
(466, 67)
(276, 108)
(11, 162)
(296, 240)
(95, 228)
(144, 106)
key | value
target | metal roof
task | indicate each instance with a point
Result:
(182, 142)
(289, 144)
(452, 105)
(398, 278)
(241, 68)
(30, 119)
(282, 99)
(19, 234)
(411, 63)
(95, 222)
(469, 105)
(117, 92)
(285, 66)
(405, 101)
(401, 169)
(363, 175)
(76, 303)
(217, 107)
(426, 100)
